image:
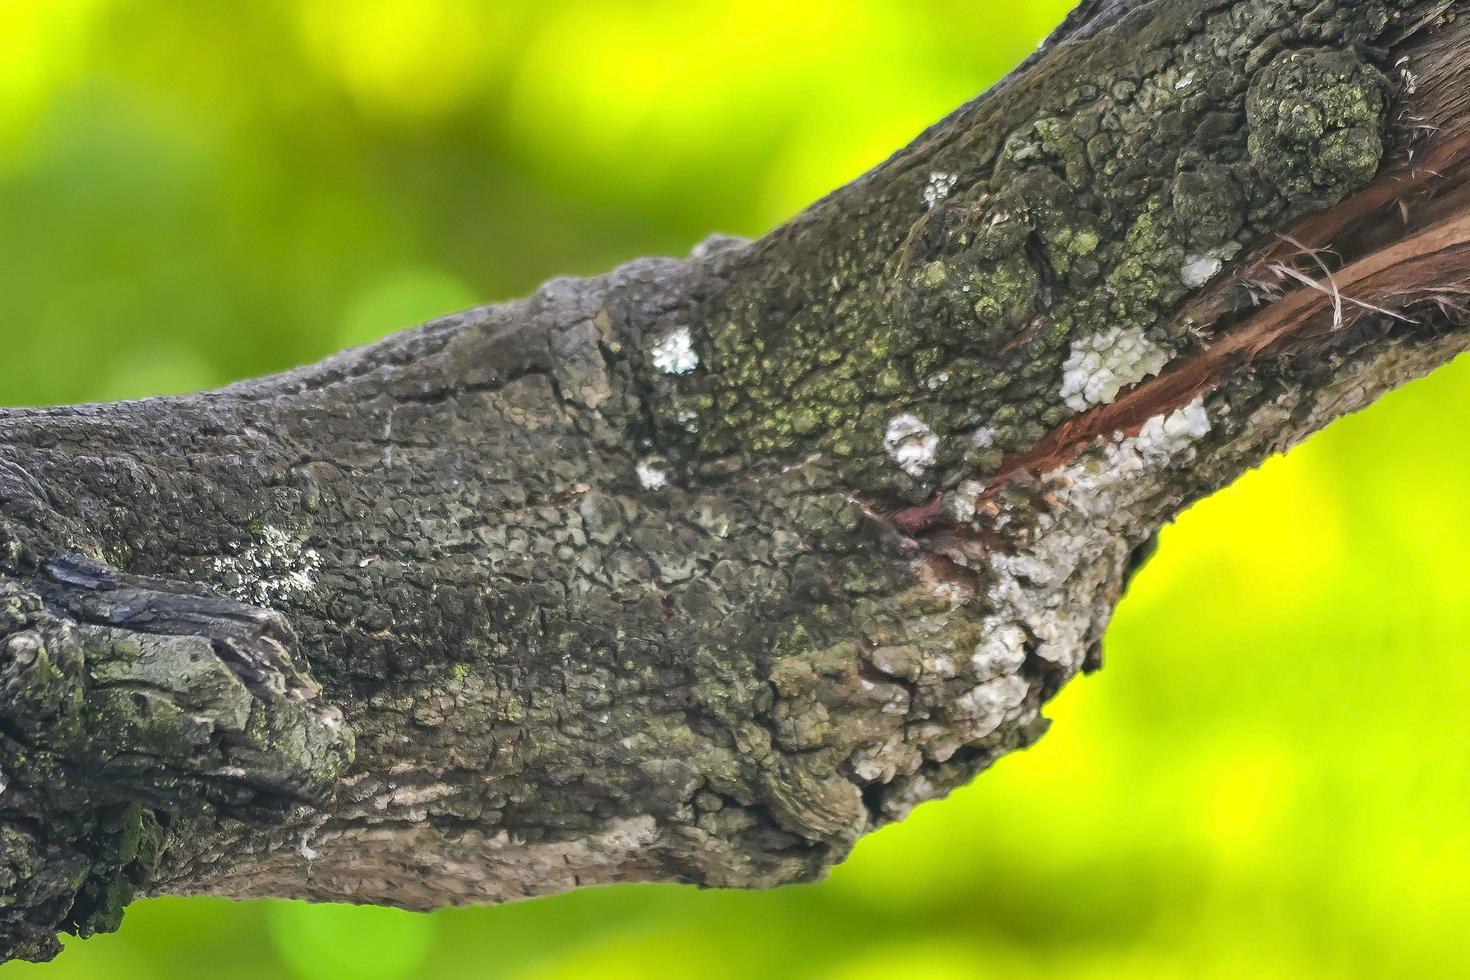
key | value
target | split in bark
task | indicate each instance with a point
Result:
(700, 570)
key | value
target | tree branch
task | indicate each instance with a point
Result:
(699, 570)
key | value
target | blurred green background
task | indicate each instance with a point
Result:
(1268, 780)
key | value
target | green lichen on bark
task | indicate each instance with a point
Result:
(76, 874)
(1126, 173)
(1317, 119)
(173, 697)
(126, 706)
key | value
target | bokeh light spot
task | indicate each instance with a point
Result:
(346, 942)
(401, 299)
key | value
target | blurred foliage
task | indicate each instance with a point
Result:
(1268, 780)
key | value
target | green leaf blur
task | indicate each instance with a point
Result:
(1268, 780)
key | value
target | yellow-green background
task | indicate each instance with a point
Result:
(1268, 780)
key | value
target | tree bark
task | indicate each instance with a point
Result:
(700, 570)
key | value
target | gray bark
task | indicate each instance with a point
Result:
(700, 570)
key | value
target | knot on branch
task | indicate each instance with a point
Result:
(1317, 119)
(965, 280)
(128, 707)
(117, 687)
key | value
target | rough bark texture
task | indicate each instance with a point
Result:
(700, 570)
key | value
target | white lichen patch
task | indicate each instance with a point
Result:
(1047, 599)
(1002, 652)
(987, 705)
(674, 353)
(1164, 439)
(983, 437)
(1165, 436)
(271, 568)
(960, 689)
(939, 187)
(1199, 269)
(1047, 593)
(1102, 365)
(651, 474)
(960, 503)
(911, 444)
(1044, 595)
